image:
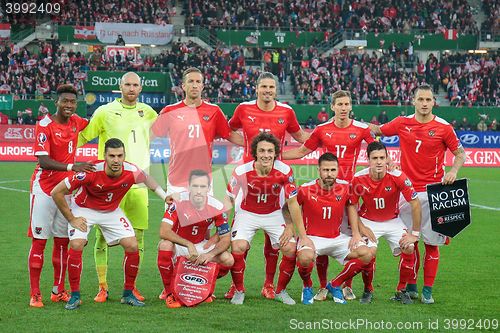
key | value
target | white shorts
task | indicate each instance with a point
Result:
(391, 230)
(114, 225)
(337, 247)
(183, 251)
(45, 218)
(246, 224)
(428, 235)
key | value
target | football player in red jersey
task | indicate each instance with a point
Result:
(97, 203)
(424, 139)
(192, 125)
(380, 190)
(55, 148)
(265, 114)
(186, 223)
(341, 136)
(323, 203)
(262, 182)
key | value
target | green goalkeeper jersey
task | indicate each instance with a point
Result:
(131, 124)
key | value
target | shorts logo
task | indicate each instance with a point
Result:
(80, 176)
(352, 136)
(431, 133)
(38, 230)
(206, 117)
(72, 232)
(388, 188)
(281, 121)
(141, 113)
(233, 234)
(194, 279)
(408, 182)
(42, 138)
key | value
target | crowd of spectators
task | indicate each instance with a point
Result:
(370, 15)
(491, 9)
(390, 77)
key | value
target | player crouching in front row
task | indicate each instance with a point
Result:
(323, 203)
(186, 223)
(97, 203)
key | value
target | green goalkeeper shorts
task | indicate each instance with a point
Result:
(135, 206)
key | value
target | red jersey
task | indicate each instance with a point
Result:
(191, 223)
(252, 120)
(323, 210)
(345, 143)
(191, 132)
(59, 142)
(381, 197)
(98, 191)
(261, 195)
(422, 147)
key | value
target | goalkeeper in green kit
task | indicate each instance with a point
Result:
(128, 120)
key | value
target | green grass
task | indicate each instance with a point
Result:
(466, 286)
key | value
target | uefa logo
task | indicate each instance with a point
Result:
(390, 140)
(469, 139)
(194, 279)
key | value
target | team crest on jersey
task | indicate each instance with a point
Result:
(388, 188)
(206, 117)
(141, 113)
(80, 176)
(72, 232)
(431, 133)
(74, 129)
(42, 138)
(338, 197)
(281, 121)
(210, 220)
(408, 182)
(38, 230)
(352, 136)
(276, 186)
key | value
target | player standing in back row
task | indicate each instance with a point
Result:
(55, 148)
(265, 114)
(342, 137)
(128, 120)
(424, 140)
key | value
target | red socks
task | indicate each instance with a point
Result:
(367, 275)
(353, 267)
(406, 269)
(271, 257)
(130, 268)
(431, 263)
(322, 269)
(223, 270)
(35, 264)
(60, 262)
(413, 279)
(238, 271)
(166, 268)
(305, 274)
(74, 269)
(287, 267)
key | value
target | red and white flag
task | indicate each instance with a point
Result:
(84, 32)
(450, 34)
(4, 30)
